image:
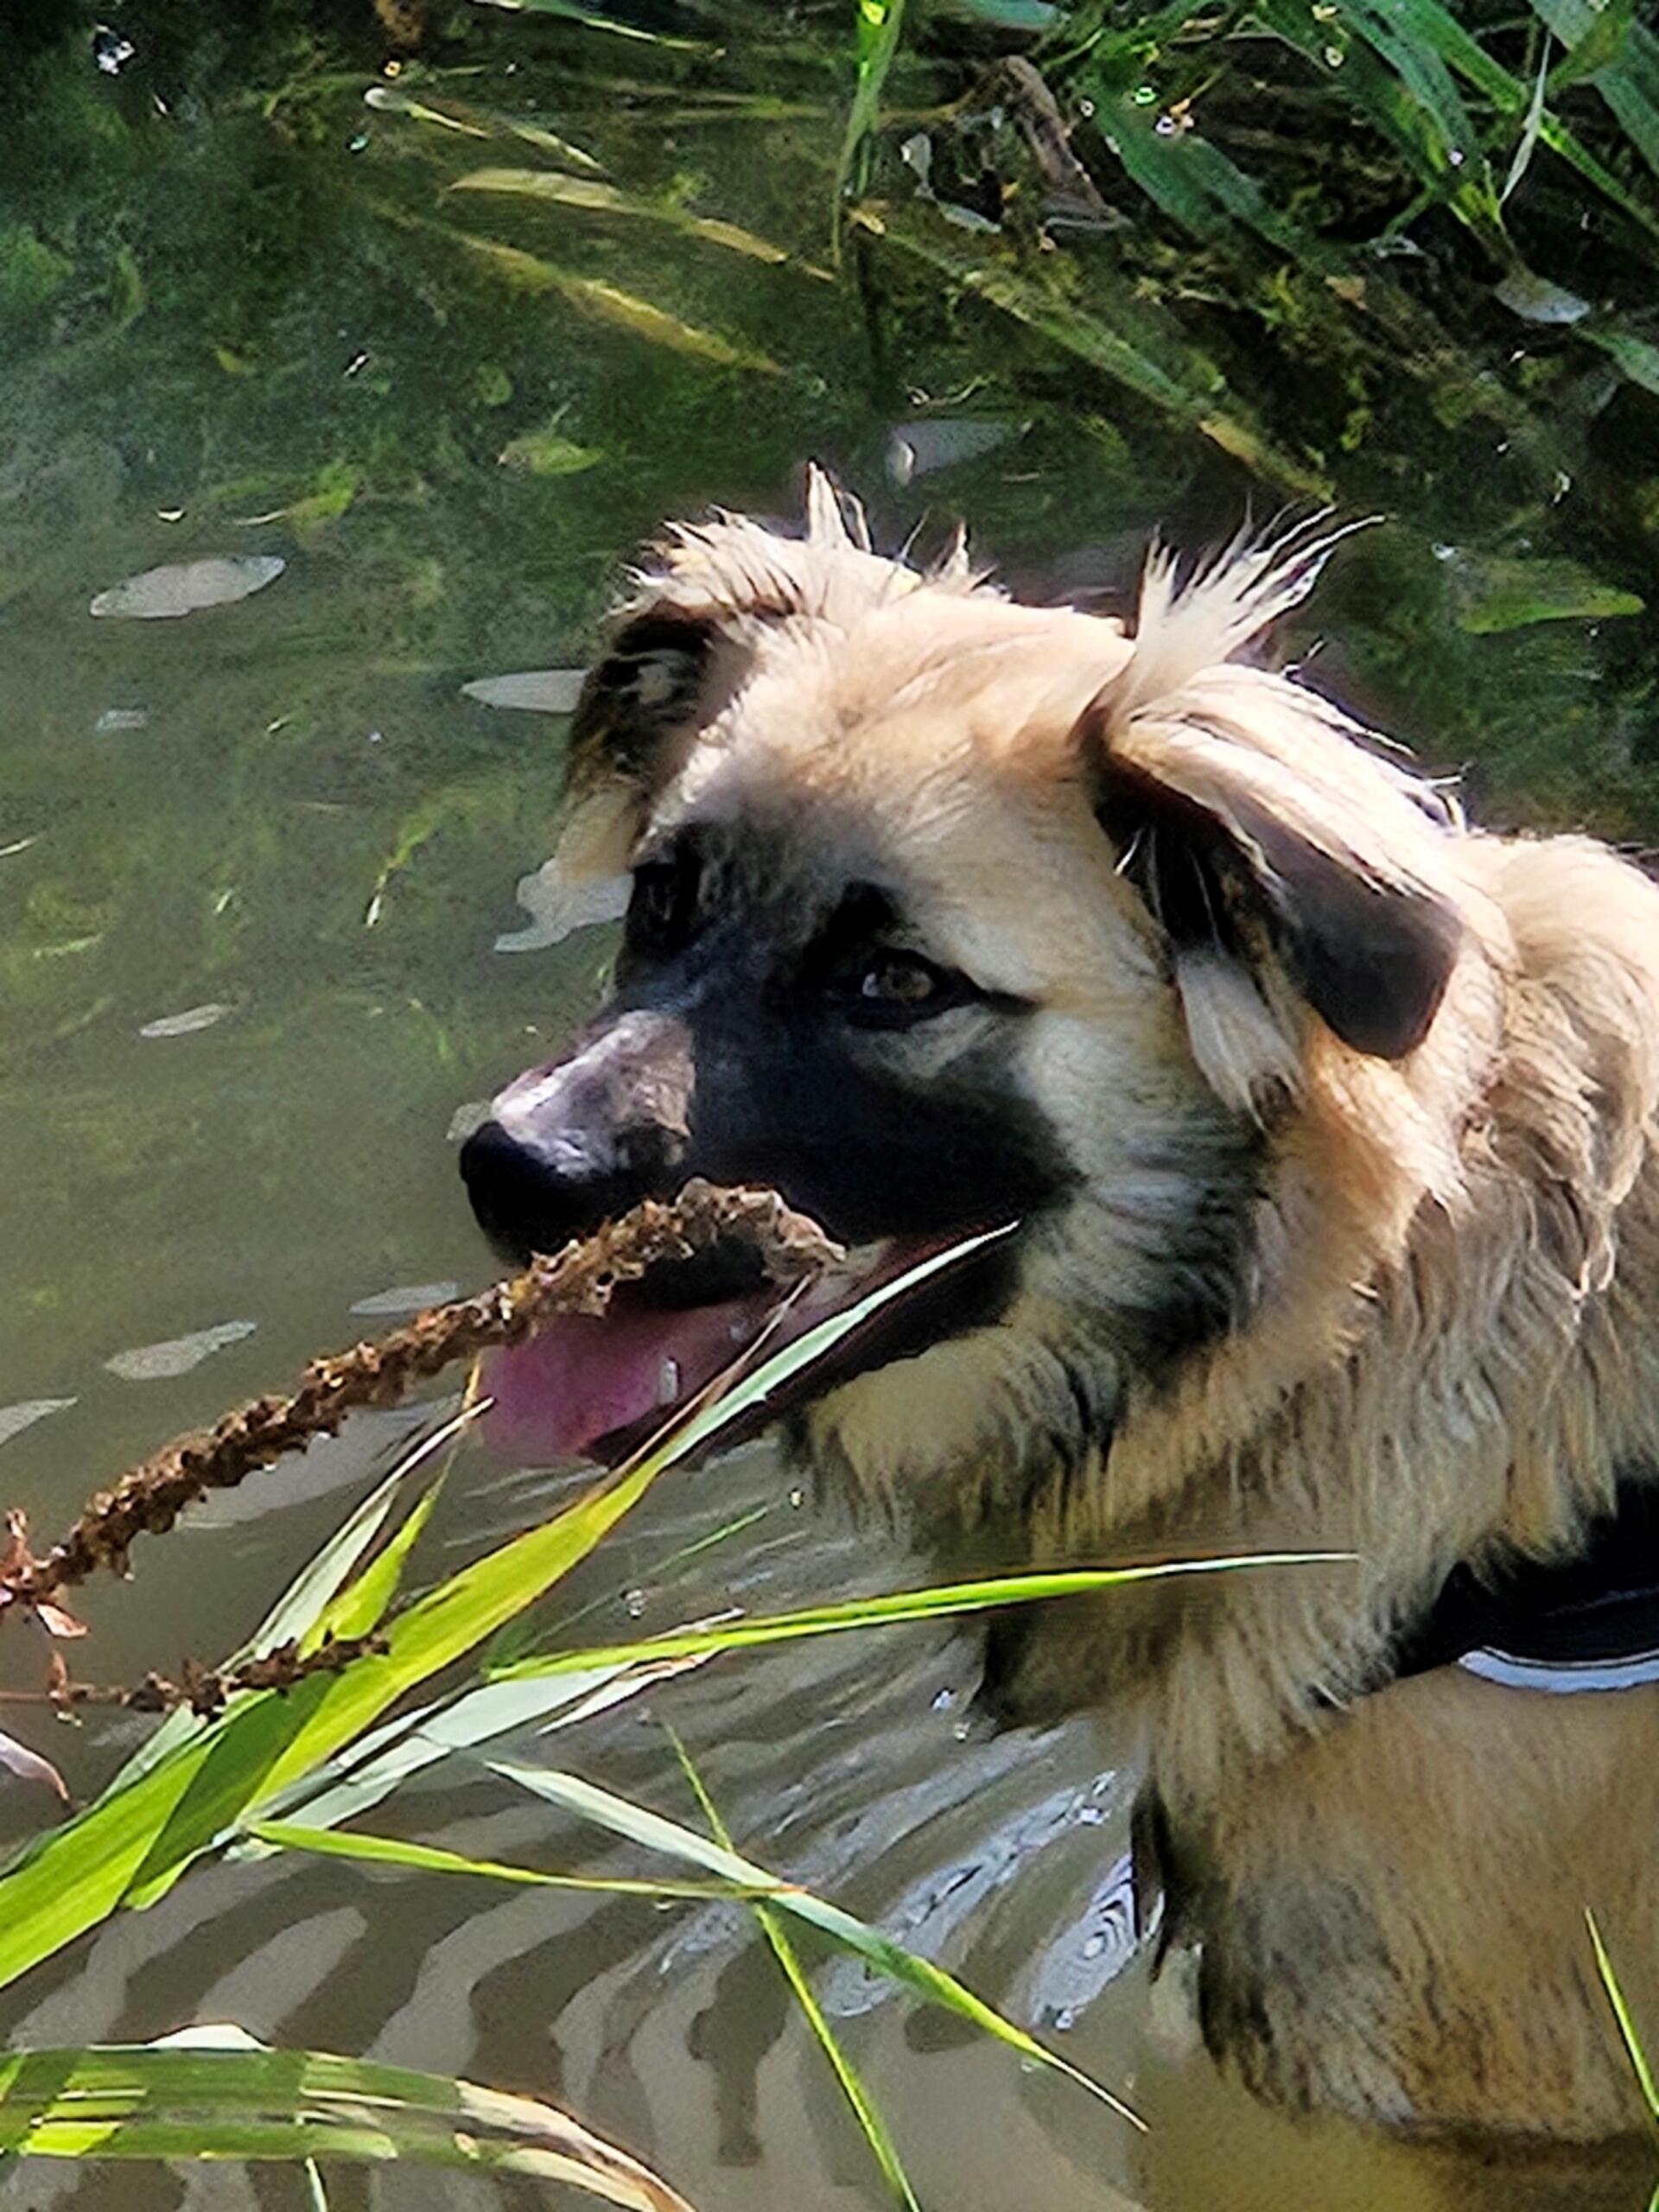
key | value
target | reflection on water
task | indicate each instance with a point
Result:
(342, 459)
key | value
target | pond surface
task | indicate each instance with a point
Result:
(280, 295)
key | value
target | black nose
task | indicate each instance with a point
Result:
(525, 1203)
(575, 1144)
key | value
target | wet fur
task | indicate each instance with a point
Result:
(1349, 1242)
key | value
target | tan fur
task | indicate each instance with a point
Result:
(1449, 1343)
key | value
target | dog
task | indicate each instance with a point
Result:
(1321, 1129)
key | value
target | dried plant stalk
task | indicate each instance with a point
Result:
(581, 1279)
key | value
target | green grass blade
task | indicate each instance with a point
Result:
(879, 22)
(384, 1760)
(1496, 595)
(656, 1832)
(589, 19)
(444, 1625)
(1416, 40)
(134, 1844)
(1639, 358)
(1394, 70)
(1374, 93)
(1626, 77)
(130, 1847)
(591, 196)
(1627, 2028)
(478, 1601)
(864, 2109)
(941, 1603)
(299, 1612)
(592, 295)
(197, 2100)
(322, 1599)
(362, 1604)
(429, 1859)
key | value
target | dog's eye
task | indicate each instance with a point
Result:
(899, 979)
(885, 989)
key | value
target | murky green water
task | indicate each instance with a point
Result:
(254, 863)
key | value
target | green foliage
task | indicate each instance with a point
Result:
(316, 1751)
(239, 2100)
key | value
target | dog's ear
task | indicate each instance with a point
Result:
(648, 689)
(1228, 875)
(649, 680)
(1263, 828)
(682, 643)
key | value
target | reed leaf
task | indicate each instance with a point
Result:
(591, 195)
(638, 1824)
(863, 2107)
(200, 2101)
(945, 1601)
(131, 1845)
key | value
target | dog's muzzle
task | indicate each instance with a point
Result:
(575, 1143)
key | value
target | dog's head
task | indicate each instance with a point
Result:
(948, 914)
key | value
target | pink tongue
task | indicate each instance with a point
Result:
(584, 1376)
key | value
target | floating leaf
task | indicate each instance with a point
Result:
(1639, 358)
(533, 692)
(941, 441)
(557, 909)
(610, 303)
(545, 453)
(1536, 299)
(14, 1419)
(30, 1766)
(406, 1298)
(188, 1023)
(160, 1363)
(547, 142)
(186, 587)
(337, 485)
(390, 100)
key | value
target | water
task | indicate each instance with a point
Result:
(254, 863)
